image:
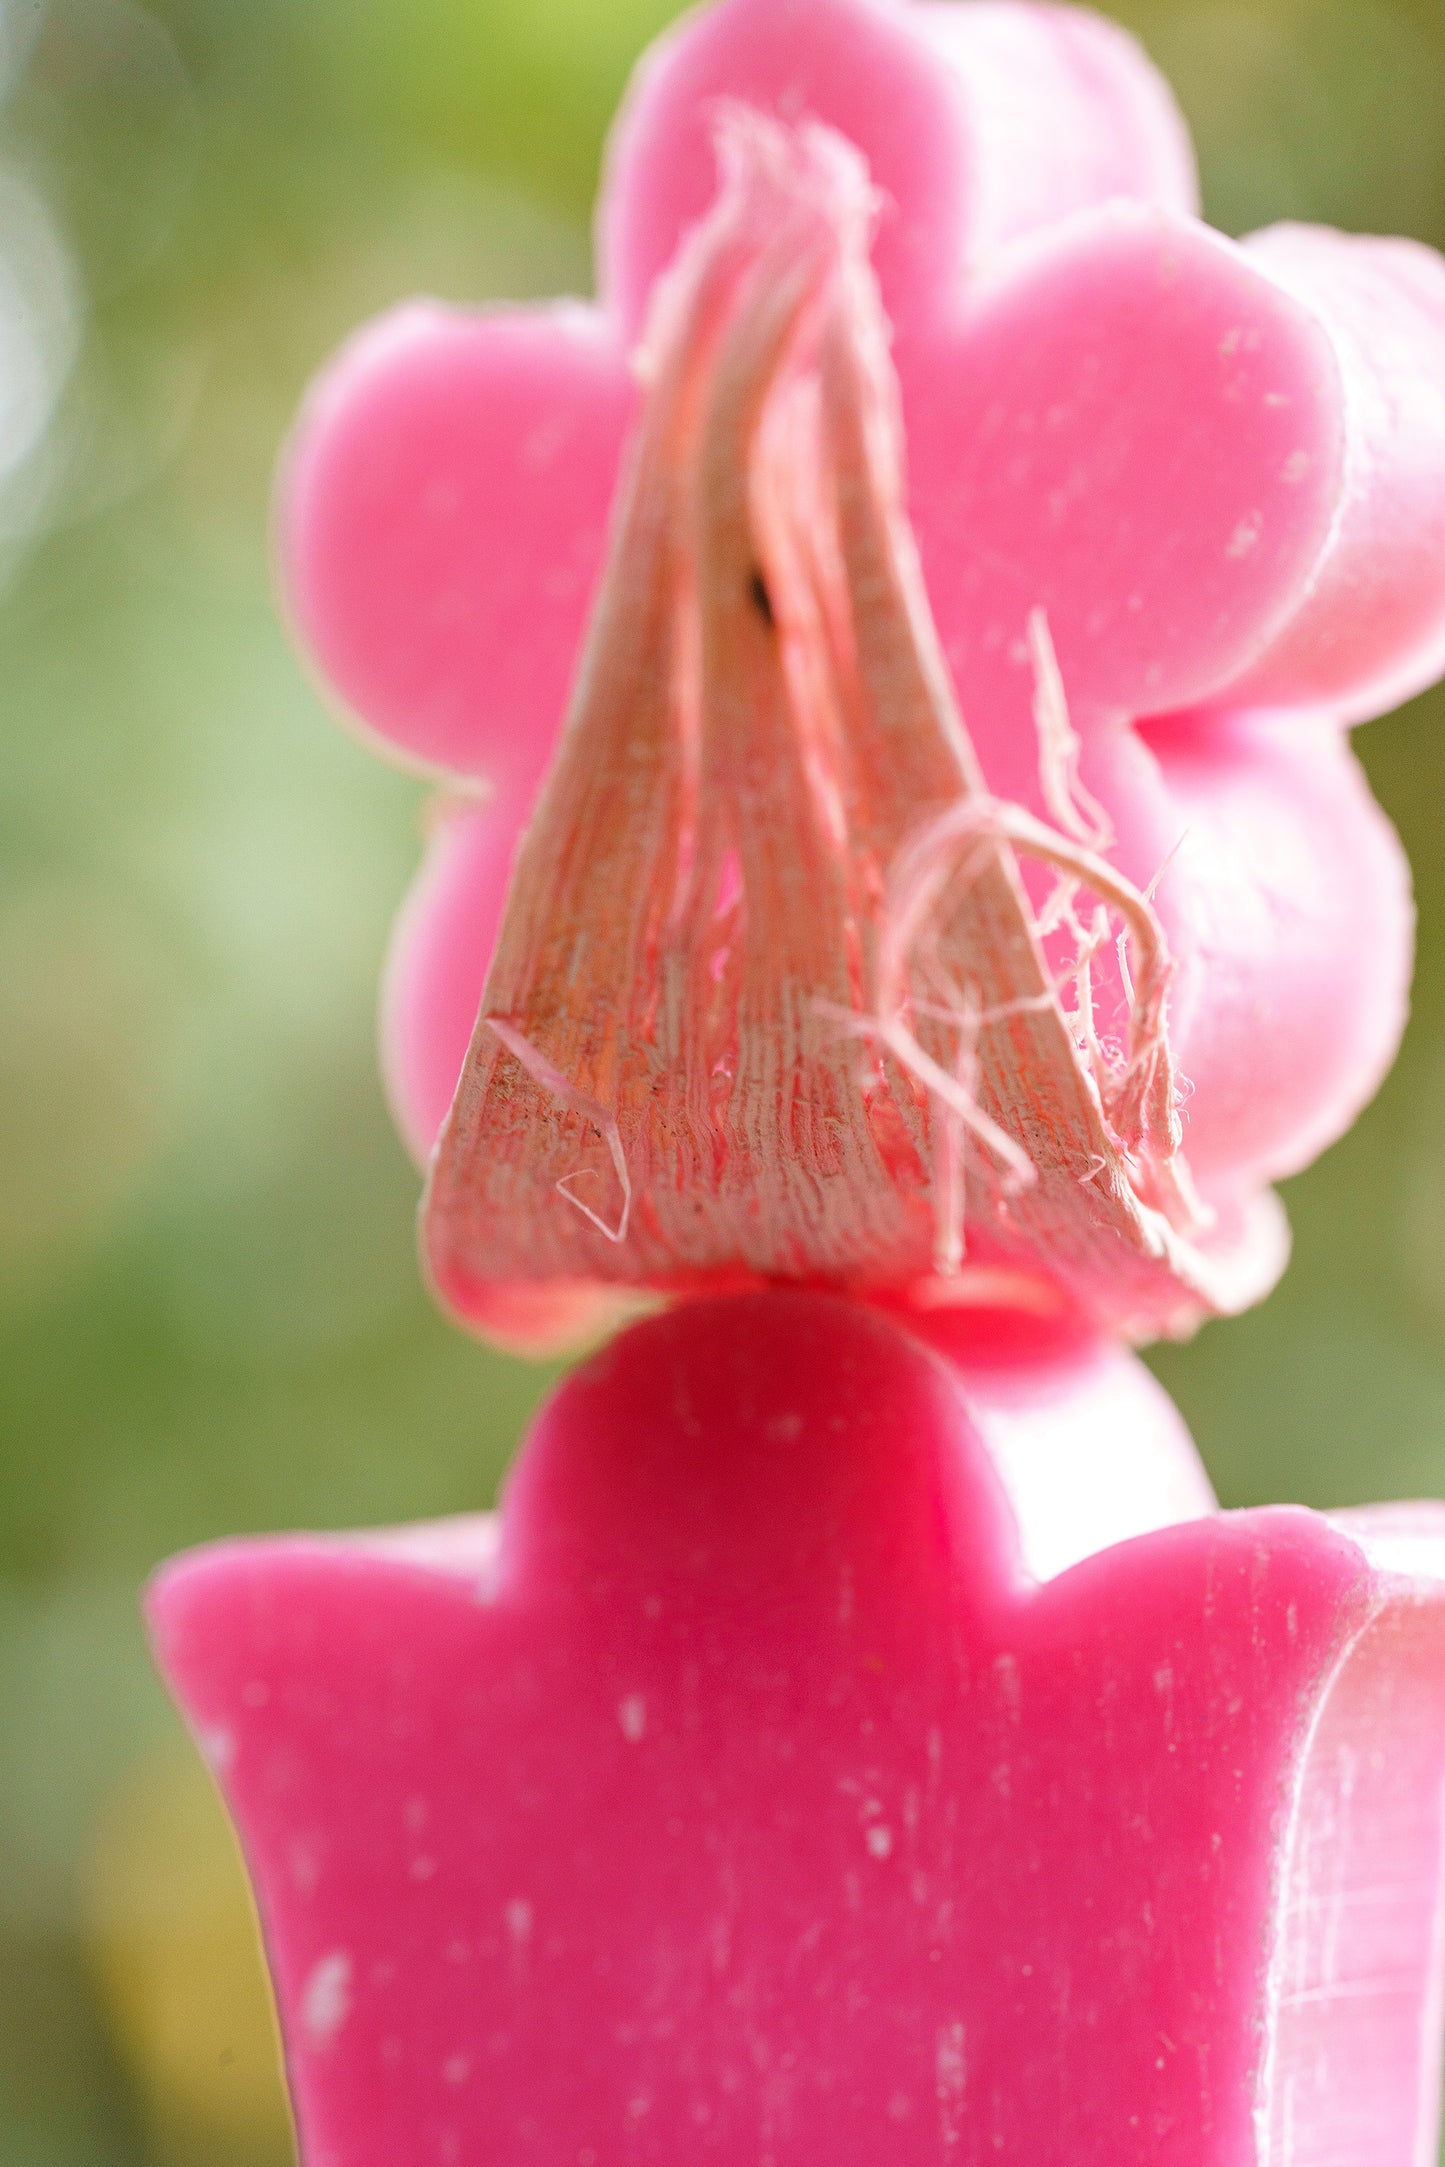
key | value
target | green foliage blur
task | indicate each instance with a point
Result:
(210, 1316)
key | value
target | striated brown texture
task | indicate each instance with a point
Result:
(770, 999)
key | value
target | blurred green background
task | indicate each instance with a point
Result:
(210, 1318)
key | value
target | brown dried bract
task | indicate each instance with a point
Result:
(770, 1001)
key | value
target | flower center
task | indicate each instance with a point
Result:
(770, 1000)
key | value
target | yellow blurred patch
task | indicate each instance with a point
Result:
(177, 1958)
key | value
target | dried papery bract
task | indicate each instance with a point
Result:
(770, 1001)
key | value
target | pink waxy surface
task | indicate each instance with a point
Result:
(1217, 468)
(859, 1738)
(742, 1795)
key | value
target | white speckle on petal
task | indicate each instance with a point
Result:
(951, 2074)
(518, 1916)
(422, 1868)
(218, 1747)
(632, 1715)
(326, 1998)
(305, 1862)
(1245, 536)
(542, 446)
(457, 2068)
(1296, 467)
(879, 1841)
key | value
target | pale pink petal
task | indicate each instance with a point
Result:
(1064, 110)
(437, 964)
(1039, 112)
(859, 65)
(1218, 472)
(547, 1320)
(442, 521)
(1137, 432)
(1372, 629)
(1288, 901)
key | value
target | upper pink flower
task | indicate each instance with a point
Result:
(1214, 472)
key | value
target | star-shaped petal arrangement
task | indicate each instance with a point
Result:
(805, 1768)
(1185, 492)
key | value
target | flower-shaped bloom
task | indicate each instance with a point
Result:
(742, 1796)
(1175, 518)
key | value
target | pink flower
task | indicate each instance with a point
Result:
(743, 1797)
(1212, 474)
(831, 1752)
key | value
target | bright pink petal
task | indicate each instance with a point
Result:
(443, 515)
(1372, 629)
(437, 964)
(1064, 110)
(1137, 432)
(1089, 1447)
(744, 1798)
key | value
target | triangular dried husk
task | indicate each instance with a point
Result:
(770, 1000)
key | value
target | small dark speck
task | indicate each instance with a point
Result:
(762, 601)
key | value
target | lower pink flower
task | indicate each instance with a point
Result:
(744, 1794)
